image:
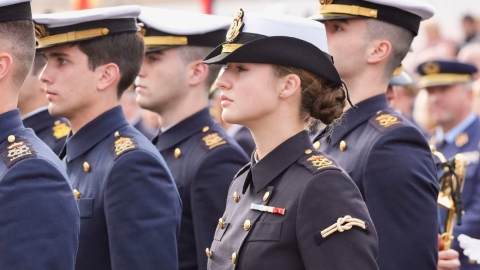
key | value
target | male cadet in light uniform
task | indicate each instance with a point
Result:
(33, 106)
(386, 156)
(129, 206)
(175, 83)
(39, 219)
(449, 87)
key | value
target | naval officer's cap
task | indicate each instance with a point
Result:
(15, 10)
(164, 29)
(74, 26)
(276, 39)
(404, 13)
(444, 73)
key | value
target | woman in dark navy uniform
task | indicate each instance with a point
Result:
(292, 207)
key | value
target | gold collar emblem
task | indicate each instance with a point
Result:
(321, 162)
(236, 27)
(18, 150)
(60, 130)
(387, 120)
(122, 145)
(431, 68)
(461, 140)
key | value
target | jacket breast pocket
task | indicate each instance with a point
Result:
(85, 206)
(220, 232)
(266, 231)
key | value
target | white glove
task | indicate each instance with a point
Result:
(471, 247)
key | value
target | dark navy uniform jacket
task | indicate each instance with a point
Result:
(279, 208)
(39, 219)
(391, 163)
(50, 129)
(129, 206)
(203, 160)
(468, 144)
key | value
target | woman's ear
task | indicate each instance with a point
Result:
(290, 85)
(109, 74)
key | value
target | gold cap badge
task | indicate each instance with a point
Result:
(236, 27)
(431, 68)
(326, 2)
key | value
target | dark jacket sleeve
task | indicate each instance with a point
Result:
(209, 194)
(142, 211)
(39, 218)
(399, 181)
(326, 198)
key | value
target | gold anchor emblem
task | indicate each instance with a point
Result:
(236, 27)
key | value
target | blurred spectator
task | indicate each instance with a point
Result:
(134, 113)
(471, 54)
(476, 96)
(421, 114)
(470, 31)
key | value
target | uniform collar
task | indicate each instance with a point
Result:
(277, 161)
(10, 123)
(452, 134)
(358, 115)
(183, 130)
(95, 131)
(40, 120)
(37, 110)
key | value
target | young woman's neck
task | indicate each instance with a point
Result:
(270, 133)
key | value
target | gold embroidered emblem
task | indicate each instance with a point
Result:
(213, 140)
(122, 145)
(18, 150)
(326, 2)
(431, 68)
(321, 162)
(40, 31)
(60, 130)
(387, 120)
(236, 27)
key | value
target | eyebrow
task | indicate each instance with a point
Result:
(56, 54)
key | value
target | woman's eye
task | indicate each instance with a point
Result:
(241, 69)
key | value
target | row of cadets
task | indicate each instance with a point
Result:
(129, 205)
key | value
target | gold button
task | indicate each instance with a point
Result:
(209, 253)
(236, 197)
(316, 145)
(57, 122)
(77, 194)
(343, 146)
(105, 31)
(221, 223)
(234, 257)
(246, 225)
(117, 134)
(308, 151)
(205, 129)
(177, 153)
(11, 139)
(86, 167)
(266, 196)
